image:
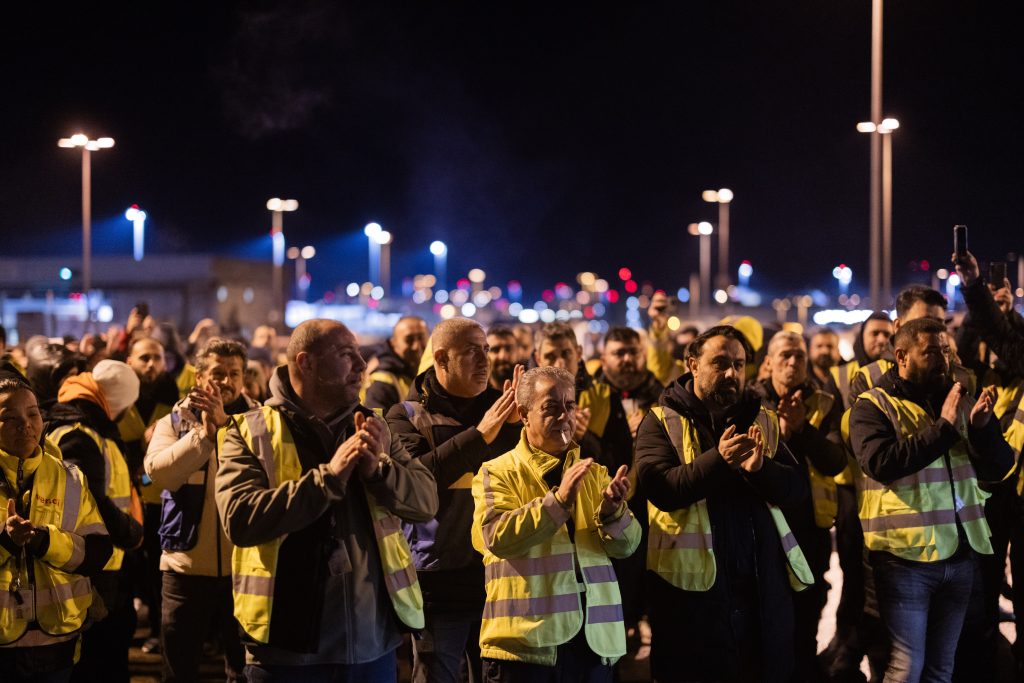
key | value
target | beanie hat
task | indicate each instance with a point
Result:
(118, 383)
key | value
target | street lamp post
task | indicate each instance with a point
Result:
(300, 256)
(385, 239)
(138, 218)
(704, 230)
(440, 251)
(723, 198)
(885, 130)
(277, 207)
(88, 146)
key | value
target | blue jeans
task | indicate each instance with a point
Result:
(446, 642)
(922, 605)
(383, 670)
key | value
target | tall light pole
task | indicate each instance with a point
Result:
(88, 146)
(703, 230)
(384, 239)
(138, 218)
(440, 251)
(876, 154)
(300, 256)
(723, 198)
(372, 232)
(884, 131)
(277, 207)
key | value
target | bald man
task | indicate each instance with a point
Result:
(312, 490)
(397, 365)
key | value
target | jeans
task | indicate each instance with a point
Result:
(447, 641)
(922, 605)
(382, 670)
(190, 605)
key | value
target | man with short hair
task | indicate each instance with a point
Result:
(823, 352)
(601, 427)
(524, 346)
(503, 355)
(312, 490)
(623, 369)
(547, 522)
(83, 425)
(397, 365)
(196, 555)
(809, 421)
(923, 445)
(714, 468)
(452, 422)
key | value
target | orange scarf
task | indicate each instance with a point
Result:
(83, 386)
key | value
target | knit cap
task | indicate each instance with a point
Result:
(119, 384)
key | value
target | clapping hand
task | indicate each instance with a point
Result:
(615, 493)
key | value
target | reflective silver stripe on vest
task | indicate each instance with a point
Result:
(72, 497)
(121, 502)
(62, 592)
(844, 385)
(674, 427)
(402, 578)
(77, 554)
(929, 475)
(257, 422)
(532, 607)
(891, 522)
(528, 566)
(972, 513)
(886, 406)
(599, 574)
(89, 529)
(253, 585)
(875, 373)
(387, 525)
(690, 540)
(603, 614)
(788, 542)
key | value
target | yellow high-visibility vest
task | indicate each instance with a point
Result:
(680, 546)
(60, 502)
(823, 488)
(253, 569)
(401, 384)
(117, 482)
(915, 516)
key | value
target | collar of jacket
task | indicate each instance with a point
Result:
(648, 385)
(679, 397)
(389, 361)
(766, 390)
(897, 387)
(427, 390)
(540, 461)
(88, 413)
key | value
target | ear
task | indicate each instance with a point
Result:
(441, 358)
(901, 356)
(302, 361)
(691, 365)
(523, 412)
(895, 327)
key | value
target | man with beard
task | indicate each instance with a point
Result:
(158, 392)
(452, 423)
(870, 343)
(923, 446)
(824, 354)
(502, 355)
(622, 358)
(397, 365)
(809, 423)
(711, 462)
(601, 427)
(196, 555)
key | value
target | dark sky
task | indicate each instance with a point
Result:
(537, 140)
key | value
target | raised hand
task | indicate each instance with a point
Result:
(981, 413)
(582, 423)
(951, 406)
(19, 530)
(208, 400)
(517, 374)
(572, 478)
(792, 414)
(755, 460)
(498, 414)
(735, 448)
(615, 493)
(966, 267)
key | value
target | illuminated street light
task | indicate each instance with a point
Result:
(704, 231)
(88, 146)
(300, 256)
(844, 274)
(723, 198)
(440, 251)
(277, 207)
(744, 272)
(885, 128)
(138, 218)
(380, 256)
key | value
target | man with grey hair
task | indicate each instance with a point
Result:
(312, 491)
(547, 522)
(809, 423)
(451, 422)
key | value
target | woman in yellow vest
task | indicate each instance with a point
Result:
(547, 524)
(52, 540)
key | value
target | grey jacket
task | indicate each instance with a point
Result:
(340, 573)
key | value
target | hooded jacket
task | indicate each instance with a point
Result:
(330, 602)
(381, 394)
(451, 572)
(751, 583)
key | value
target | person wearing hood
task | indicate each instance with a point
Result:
(83, 424)
(723, 561)
(809, 424)
(601, 427)
(397, 364)
(312, 491)
(452, 422)
(196, 555)
(52, 541)
(870, 343)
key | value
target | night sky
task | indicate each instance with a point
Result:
(537, 140)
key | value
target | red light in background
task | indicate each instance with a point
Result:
(925, 265)
(612, 296)
(630, 286)
(625, 273)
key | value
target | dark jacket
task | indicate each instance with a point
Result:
(80, 450)
(885, 456)
(451, 572)
(646, 394)
(968, 343)
(821, 447)
(713, 635)
(615, 446)
(996, 329)
(383, 395)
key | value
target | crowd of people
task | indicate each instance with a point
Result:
(514, 510)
